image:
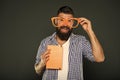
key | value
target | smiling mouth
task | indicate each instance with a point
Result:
(64, 29)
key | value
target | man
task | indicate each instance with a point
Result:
(74, 47)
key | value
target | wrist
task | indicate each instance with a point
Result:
(42, 64)
(90, 31)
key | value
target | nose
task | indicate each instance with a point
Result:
(65, 23)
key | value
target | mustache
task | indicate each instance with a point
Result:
(64, 27)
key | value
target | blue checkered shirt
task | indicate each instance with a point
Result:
(78, 48)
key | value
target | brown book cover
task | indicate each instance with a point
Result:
(55, 58)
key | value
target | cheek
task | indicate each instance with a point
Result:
(59, 24)
(70, 25)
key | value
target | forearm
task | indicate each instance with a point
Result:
(41, 65)
(39, 68)
(96, 47)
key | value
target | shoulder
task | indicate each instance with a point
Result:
(48, 38)
(77, 37)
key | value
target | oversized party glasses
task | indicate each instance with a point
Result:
(74, 22)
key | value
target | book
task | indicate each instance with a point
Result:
(55, 57)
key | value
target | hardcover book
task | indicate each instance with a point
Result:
(55, 57)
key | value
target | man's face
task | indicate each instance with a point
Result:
(65, 26)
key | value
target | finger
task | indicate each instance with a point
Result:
(82, 18)
(47, 59)
(45, 53)
(46, 56)
(83, 22)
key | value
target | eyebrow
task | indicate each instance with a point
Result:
(68, 18)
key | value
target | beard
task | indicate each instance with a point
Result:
(63, 35)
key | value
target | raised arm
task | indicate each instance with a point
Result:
(96, 46)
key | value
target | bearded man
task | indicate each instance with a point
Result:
(74, 47)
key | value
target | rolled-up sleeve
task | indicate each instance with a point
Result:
(41, 49)
(87, 50)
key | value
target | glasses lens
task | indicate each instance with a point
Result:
(75, 23)
(56, 21)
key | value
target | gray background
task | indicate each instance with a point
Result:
(23, 24)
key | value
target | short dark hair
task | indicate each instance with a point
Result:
(65, 9)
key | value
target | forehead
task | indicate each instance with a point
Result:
(66, 16)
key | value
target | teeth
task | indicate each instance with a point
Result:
(64, 28)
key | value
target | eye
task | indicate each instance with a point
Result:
(70, 20)
(61, 19)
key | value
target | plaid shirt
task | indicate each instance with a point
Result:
(78, 48)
